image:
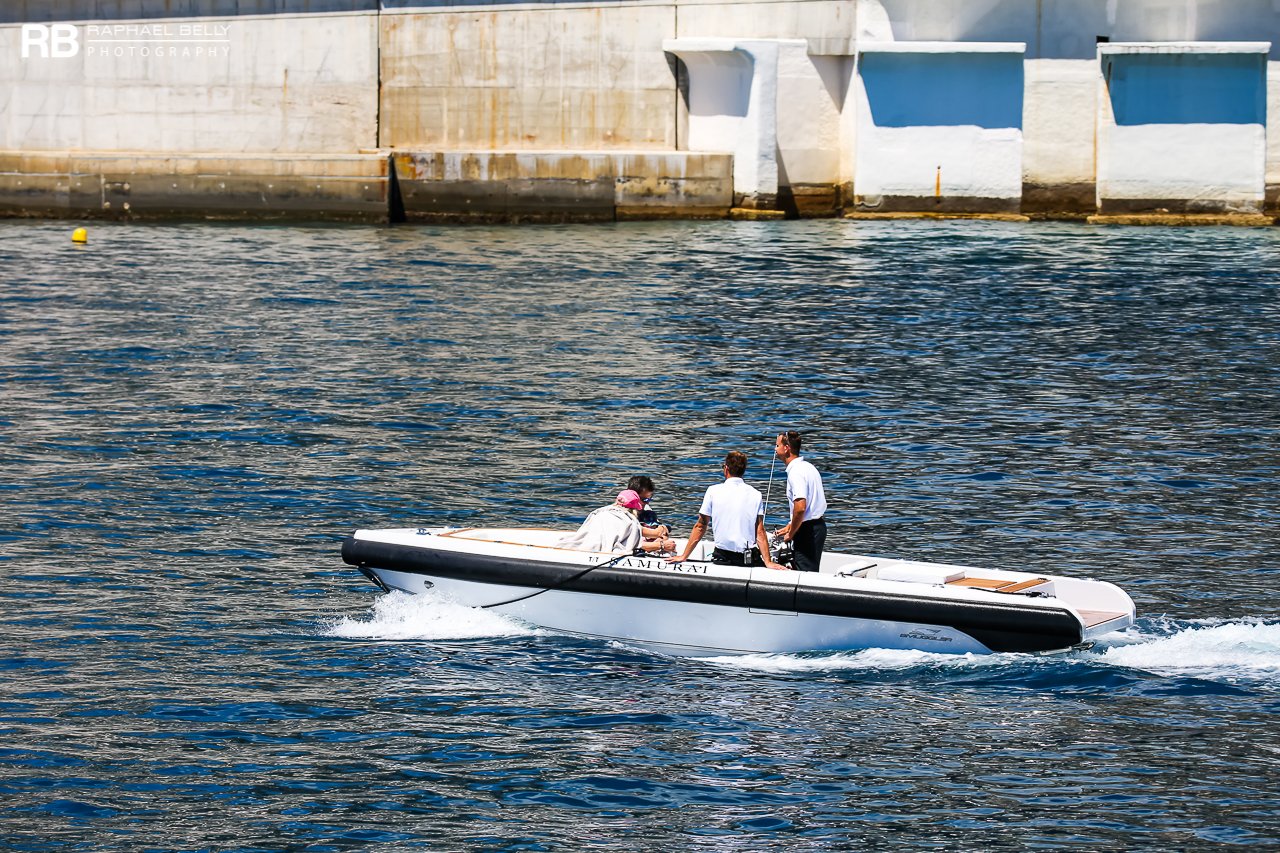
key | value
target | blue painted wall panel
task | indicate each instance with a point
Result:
(943, 89)
(1187, 88)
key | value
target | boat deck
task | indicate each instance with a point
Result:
(1090, 618)
(545, 538)
(1097, 617)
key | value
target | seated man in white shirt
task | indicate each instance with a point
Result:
(735, 512)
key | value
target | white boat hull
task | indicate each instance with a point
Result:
(701, 609)
(683, 628)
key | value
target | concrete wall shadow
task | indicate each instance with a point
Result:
(1187, 88)
(943, 89)
(1068, 29)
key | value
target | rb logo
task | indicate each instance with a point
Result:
(59, 41)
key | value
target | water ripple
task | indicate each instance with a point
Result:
(197, 414)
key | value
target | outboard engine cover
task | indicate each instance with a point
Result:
(782, 551)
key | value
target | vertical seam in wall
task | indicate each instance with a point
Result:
(377, 114)
(675, 34)
(851, 83)
(1039, 26)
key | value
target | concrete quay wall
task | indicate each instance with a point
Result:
(461, 186)
(556, 110)
(351, 188)
(558, 186)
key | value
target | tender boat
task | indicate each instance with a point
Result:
(699, 608)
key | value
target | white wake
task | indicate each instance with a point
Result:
(1237, 651)
(868, 659)
(1245, 649)
(401, 616)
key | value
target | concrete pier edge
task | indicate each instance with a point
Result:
(1253, 220)
(393, 186)
(481, 187)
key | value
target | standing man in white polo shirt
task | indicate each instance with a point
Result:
(736, 514)
(807, 529)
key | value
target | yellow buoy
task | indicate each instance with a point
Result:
(79, 236)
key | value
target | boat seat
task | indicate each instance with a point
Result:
(851, 570)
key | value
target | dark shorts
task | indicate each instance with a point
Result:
(808, 543)
(722, 557)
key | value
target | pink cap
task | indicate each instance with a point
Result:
(629, 499)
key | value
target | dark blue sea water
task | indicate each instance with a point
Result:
(193, 417)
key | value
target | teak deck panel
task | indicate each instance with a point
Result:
(984, 583)
(999, 584)
(1019, 587)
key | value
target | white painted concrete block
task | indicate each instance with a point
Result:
(810, 94)
(1059, 116)
(1273, 109)
(733, 105)
(1182, 126)
(770, 104)
(939, 120)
